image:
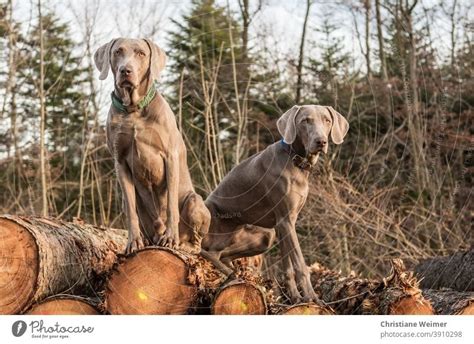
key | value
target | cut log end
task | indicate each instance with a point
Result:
(63, 306)
(412, 306)
(240, 298)
(306, 309)
(18, 267)
(469, 310)
(153, 281)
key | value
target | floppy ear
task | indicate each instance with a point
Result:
(102, 59)
(340, 126)
(158, 59)
(286, 124)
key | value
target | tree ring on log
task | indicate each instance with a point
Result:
(306, 309)
(63, 305)
(18, 266)
(411, 306)
(151, 281)
(239, 298)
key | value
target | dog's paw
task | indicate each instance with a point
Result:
(168, 239)
(134, 244)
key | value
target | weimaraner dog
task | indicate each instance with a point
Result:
(266, 192)
(160, 202)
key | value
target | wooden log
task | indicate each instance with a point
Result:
(159, 281)
(64, 305)
(306, 309)
(454, 272)
(396, 294)
(40, 257)
(239, 297)
(450, 302)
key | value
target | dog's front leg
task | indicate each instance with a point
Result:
(282, 233)
(170, 237)
(135, 241)
(302, 275)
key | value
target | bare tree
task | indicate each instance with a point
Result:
(367, 37)
(383, 62)
(11, 88)
(247, 17)
(299, 67)
(87, 20)
(41, 93)
(451, 14)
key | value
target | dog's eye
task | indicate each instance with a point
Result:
(328, 120)
(140, 53)
(117, 52)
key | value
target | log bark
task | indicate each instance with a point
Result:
(41, 257)
(396, 294)
(159, 281)
(454, 272)
(239, 297)
(450, 302)
(64, 305)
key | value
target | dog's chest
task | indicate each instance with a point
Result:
(139, 143)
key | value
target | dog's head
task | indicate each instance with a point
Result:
(132, 61)
(312, 125)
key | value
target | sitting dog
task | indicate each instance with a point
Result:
(148, 150)
(266, 192)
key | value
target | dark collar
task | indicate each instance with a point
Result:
(301, 162)
(144, 102)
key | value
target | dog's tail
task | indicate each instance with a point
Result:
(217, 263)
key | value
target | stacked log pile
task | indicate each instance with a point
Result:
(41, 257)
(48, 266)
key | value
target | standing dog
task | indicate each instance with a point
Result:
(148, 150)
(266, 192)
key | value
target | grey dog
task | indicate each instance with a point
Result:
(266, 192)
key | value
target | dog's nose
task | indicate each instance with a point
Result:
(321, 142)
(125, 71)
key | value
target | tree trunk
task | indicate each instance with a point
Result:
(159, 281)
(454, 272)
(239, 297)
(453, 34)
(42, 257)
(383, 62)
(396, 294)
(244, 10)
(299, 68)
(64, 305)
(367, 38)
(44, 186)
(450, 302)
(306, 309)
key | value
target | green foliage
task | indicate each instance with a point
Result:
(62, 84)
(328, 71)
(200, 48)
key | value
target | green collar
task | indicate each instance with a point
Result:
(145, 101)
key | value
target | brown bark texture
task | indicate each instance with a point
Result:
(453, 272)
(450, 302)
